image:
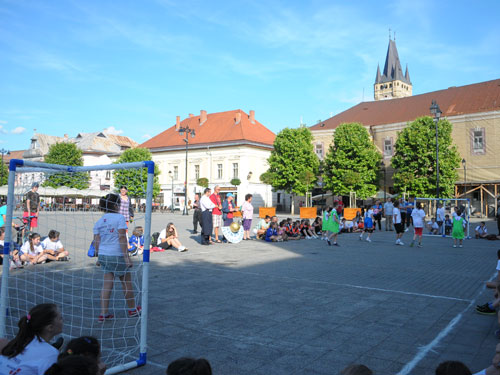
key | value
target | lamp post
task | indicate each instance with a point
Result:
(187, 130)
(464, 163)
(382, 164)
(3, 152)
(436, 112)
(172, 177)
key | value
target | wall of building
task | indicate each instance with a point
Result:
(394, 89)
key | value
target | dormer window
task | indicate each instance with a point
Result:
(34, 144)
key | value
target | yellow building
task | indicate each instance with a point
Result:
(474, 111)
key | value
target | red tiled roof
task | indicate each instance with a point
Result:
(218, 128)
(454, 101)
(18, 154)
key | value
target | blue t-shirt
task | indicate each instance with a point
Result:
(134, 241)
(270, 232)
(3, 211)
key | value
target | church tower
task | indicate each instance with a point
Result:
(392, 83)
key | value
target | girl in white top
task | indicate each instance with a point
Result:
(32, 250)
(110, 242)
(418, 216)
(30, 353)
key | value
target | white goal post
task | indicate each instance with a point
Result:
(449, 204)
(75, 285)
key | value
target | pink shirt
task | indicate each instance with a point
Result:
(247, 210)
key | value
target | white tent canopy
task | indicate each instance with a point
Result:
(63, 191)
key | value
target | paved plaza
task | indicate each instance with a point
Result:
(305, 308)
(302, 307)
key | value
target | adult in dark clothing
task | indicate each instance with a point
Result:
(196, 214)
(32, 206)
(206, 206)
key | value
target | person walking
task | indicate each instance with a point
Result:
(206, 206)
(247, 213)
(388, 211)
(32, 207)
(418, 216)
(196, 213)
(398, 223)
(216, 212)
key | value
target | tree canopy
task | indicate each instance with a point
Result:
(352, 162)
(66, 153)
(414, 159)
(293, 155)
(4, 174)
(136, 181)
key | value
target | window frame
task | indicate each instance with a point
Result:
(220, 171)
(474, 150)
(391, 140)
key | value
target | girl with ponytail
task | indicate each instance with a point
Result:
(30, 353)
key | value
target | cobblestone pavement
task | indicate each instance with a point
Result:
(302, 307)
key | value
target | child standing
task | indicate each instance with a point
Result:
(398, 223)
(368, 224)
(458, 228)
(418, 216)
(334, 226)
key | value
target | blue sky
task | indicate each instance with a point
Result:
(132, 66)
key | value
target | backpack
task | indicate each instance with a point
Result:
(154, 238)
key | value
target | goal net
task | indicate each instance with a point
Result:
(69, 204)
(449, 204)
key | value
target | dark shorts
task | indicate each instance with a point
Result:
(247, 224)
(113, 264)
(399, 228)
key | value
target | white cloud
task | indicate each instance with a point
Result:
(2, 130)
(18, 130)
(113, 130)
(146, 136)
(3, 122)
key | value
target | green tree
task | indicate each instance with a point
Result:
(202, 181)
(136, 181)
(352, 162)
(4, 174)
(66, 153)
(414, 159)
(235, 182)
(292, 156)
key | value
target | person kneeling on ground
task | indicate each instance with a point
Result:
(53, 247)
(481, 230)
(170, 238)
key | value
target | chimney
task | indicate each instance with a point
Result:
(177, 123)
(252, 116)
(237, 119)
(203, 116)
(191, 115)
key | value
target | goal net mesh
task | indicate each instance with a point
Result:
(430, 207)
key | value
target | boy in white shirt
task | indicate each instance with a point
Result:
(54, 248)
(481, 230)
(433, 226)
(418, 216)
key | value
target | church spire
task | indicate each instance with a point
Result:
(407, 75)
(378, 78)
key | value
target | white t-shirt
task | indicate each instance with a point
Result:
(26, 249)
(434, 225)
(162, 236)
(48, 244)
(418, 217)
(369, 213)
(482, 230)
(107, 227)
(396, 213)
(36, 358)
(440, 214)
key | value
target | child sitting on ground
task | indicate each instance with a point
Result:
(272, 233)
(305, 230)
(282, 229)
(136, 242)
(317, 226)
(32, 252)
(53, 247)
(481, 230)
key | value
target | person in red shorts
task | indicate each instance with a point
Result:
(418, 217)
(32, 206)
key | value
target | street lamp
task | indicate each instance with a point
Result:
(3, 152)
(172, 177)
(187, 130)
(436, 112)
(464, 163)
(382, 164)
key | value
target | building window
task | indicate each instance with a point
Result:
(108, 175)
(176, 172)
(278, 198)
(478, 141)
(196, 172)
(319, 150)
(235, 170)
(219, 171)
(388, 147)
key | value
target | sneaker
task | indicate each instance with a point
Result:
(401, 243)
(485, 310)
(406, 230)
(361, 238)
(135, 312)
(103, 318)
(328, 241)
(419, 245)
(482, 306)
(181, 249)
(63, 259)
(368, 239)
(460, 246)
(412, 243)
(336, 244)
(454, 245)
(397, 242)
